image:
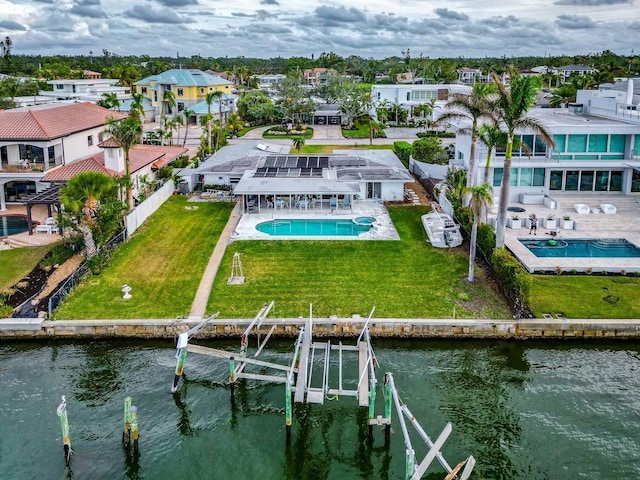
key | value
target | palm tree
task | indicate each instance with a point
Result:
(473, 107)
(511, 110)
(481, 197)
(492, 136)
(136, 108)
(187, 116)
(298, 143)
(211, 96)
(168, 103)
(109, 100)
(81, 196)
(127, 133)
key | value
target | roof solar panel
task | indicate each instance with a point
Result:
(324, 162)
(259, 174)
(316, 172)
(281, 162)
(270, 162)
(305, 172)
(302, 162)
(313, 162)
(292, 162)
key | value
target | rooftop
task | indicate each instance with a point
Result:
(184, 78)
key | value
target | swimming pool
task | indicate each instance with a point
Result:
(582, 248)
(312, 228)
(12, 224)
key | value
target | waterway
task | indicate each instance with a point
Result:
(525, 410)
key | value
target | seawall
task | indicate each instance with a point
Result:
(326, 327)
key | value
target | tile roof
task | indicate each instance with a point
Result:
(184, 78)
(47, 122)
(140, 156)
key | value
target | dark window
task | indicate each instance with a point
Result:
(90, 140)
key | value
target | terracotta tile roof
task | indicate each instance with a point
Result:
(109, 143)
(139, 157)
(94, 163)
(52, 121)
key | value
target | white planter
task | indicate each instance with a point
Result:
(566, 224)
(515, 224)
(549, 224)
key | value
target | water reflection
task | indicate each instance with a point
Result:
(101, 376)
(184, 425)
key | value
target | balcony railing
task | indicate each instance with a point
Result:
(30, 166)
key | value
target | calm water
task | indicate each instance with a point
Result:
(318, 228)
(608, 248)
(12, 224)
(524, 410)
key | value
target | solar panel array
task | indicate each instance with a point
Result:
(292, 166)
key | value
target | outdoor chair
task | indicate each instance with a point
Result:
(582, 208)
(333, 203)
(608, 208)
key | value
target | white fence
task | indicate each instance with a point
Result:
(148, 207)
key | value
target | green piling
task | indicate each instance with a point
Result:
(133, 422)
(179, 367)
(64, 423)
(410, 456)
(232, 376)
(372, 405)
(126, 434)
(287, 407)
(388, 399)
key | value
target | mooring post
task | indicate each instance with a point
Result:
(410, 457)
(126, 434)
(388, 399)
(287, 407)
(66, 438)
(133, 423)
(232, 375)
(183, 341)
(372, 405)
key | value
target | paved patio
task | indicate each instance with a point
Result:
(383, 227)
(39, 215)
(625, 223)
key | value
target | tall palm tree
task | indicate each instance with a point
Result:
(109, 100)
(81, 196)
(187, 116)
(136, 108)
(481, 197)
(492, 136)
(127, 133)
(473, 107)
(167, 105)
(512, 105)
(210, 97)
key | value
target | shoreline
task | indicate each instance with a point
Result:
(34, 328)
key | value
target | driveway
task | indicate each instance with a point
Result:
(327, 132)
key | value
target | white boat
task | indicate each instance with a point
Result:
(442, 231)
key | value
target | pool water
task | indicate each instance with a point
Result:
(12, 224)
(583, 248)
(312, 228)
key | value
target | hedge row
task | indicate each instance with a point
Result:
(403, 151)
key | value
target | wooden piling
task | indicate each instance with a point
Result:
(179, 367)
(133, 423)
(387, 405)
(287, 407)
(232, 376)
(126, 434)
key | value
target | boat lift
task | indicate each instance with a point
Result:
(302, 387)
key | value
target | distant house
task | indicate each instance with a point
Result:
(267, 82)
(35, 140)
(91, 75)
(85, 90)
(568, 71)
(316, 77)
(410, 96)
(189, 87)
(471, 76)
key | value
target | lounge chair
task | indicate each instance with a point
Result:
(582, 208)
(346, 204)
(608, 208)
(333, 203)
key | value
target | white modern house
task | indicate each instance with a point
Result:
(85, 90)
(409, 96)
(597, 150)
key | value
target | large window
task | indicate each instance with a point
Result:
(586, 180)
(422, 95)
(616, 144)
(597, 143)
(636, 146)
(577, 143)
(635, 181)
(523, 177)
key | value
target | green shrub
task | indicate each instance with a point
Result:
(511, 275)
(63, 251)
(403, 150)
(486, 240)
(430, 150)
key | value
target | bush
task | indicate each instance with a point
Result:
(511, 275)
(430, 150)
(63, 251)
(403, 150)
(486, 240)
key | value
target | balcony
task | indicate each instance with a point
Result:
(30, 165)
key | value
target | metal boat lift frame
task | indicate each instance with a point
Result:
(298, 376)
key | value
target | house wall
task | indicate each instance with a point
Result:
(76, 146)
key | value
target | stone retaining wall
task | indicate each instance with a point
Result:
(327, 327)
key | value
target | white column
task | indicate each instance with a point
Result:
(3, 204)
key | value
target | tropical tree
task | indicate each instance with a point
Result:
(355, 102)
(11, 88)
(294, 101)
(168, 104)
(81, 197)
(136, 108)
(473, 107)
(234, 124)
(6, 45)
(480, 198)
(256, 108)
(109, 100)
(210, 97)
(298, 143)
(511, 107)
(492, 136)
(126, 133)
(187, 116)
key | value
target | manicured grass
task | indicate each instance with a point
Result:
(18, 262)
(402, 279)
(578, 296)
(243, 131)
(308, 134)
(163, 263)
(331, 148)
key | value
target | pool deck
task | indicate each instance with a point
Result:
(625, 223)
(383, 228)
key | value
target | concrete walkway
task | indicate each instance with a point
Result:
(199, 306)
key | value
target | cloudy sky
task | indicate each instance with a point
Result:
(368, 28)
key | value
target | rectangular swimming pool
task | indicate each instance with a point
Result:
(582, 248)
(313, 228)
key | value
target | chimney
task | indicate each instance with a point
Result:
(114, 157)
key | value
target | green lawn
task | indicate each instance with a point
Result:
(403, 279)
(331, 148)
(14, 265)
(163, 263)
(585, 296)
